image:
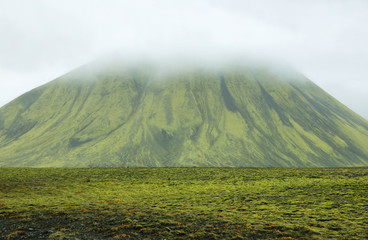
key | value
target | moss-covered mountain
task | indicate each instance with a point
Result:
(139, 115)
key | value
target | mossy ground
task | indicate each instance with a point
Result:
(184, 203)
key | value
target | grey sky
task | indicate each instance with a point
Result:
(326, 40)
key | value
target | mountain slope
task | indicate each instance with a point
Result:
(138, 115)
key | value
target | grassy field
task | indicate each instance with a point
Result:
(184, 203)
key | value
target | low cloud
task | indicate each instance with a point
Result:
(326, 40)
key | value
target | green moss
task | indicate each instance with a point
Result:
(184, 203)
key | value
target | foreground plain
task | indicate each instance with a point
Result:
(184, 203)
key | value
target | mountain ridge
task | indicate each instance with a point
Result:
(119, 114)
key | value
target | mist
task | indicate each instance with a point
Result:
(324, 40)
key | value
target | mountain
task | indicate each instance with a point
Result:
(142, 114)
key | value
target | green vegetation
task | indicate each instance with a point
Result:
(120, 115)
(184, 203)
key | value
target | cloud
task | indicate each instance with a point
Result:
(325, 39)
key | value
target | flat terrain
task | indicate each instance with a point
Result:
(184, 203)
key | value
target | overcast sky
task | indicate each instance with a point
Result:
(326, 40)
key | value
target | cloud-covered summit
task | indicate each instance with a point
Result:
(326, 40)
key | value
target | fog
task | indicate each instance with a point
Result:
(325, 40)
